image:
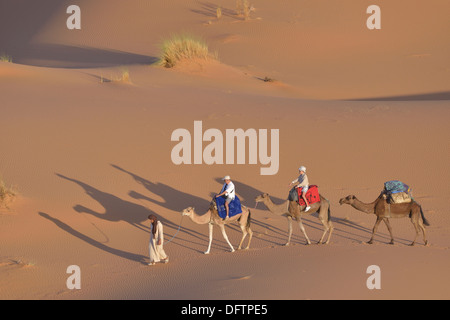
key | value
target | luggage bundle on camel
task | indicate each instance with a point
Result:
(397, 192)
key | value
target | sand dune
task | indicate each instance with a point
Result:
(91, 154)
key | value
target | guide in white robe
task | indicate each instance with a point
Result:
(156, 250)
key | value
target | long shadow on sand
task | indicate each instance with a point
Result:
(64, 56)
(174, 199)
(93, 242)
(117, 209)
(441, 95)
(177, 200)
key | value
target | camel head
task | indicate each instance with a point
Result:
(188, 211)
(347, 200)
(261, 197)
(213, 205)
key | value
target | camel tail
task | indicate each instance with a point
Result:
(249, 218)
(329, 211)
(329, 208)
(425, 221)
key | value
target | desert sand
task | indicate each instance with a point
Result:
(90, 155)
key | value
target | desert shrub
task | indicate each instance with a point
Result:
(243, 9)
(219, 12)
(5, 58)
(181, 47)
(7, 194)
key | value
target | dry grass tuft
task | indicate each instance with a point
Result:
(7, 194)
(124, 77)
(243, 9)
(5, 58)
(184, 47)
(267, 79)
(219, 12)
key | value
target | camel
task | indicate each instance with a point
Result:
(383, 210)
(211, 217)
(292, 210)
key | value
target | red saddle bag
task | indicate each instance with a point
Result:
(312, 195)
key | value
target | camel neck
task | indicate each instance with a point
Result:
(203, 219)
(275, 208)
(364, 207)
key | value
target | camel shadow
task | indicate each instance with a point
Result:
(347, 229)
(247, 192)
(365, 230)
(174, 199)
(116, 209)
(117, 252)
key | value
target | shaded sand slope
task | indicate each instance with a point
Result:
(324, 49)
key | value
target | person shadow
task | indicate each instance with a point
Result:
(120, 253)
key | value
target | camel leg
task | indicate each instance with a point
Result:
(300, 224)
(388, 225)
(246, 231)
(324, 219)
(244, 234)
(250, 236)
(211, 227)
(375, 227)
(246, 224)
(414, 221)
(330, 228)
(326, 229)
(418, 225)
(222, 228)
(424, 233)
(289, 230)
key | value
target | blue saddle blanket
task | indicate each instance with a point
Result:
(235, 207)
